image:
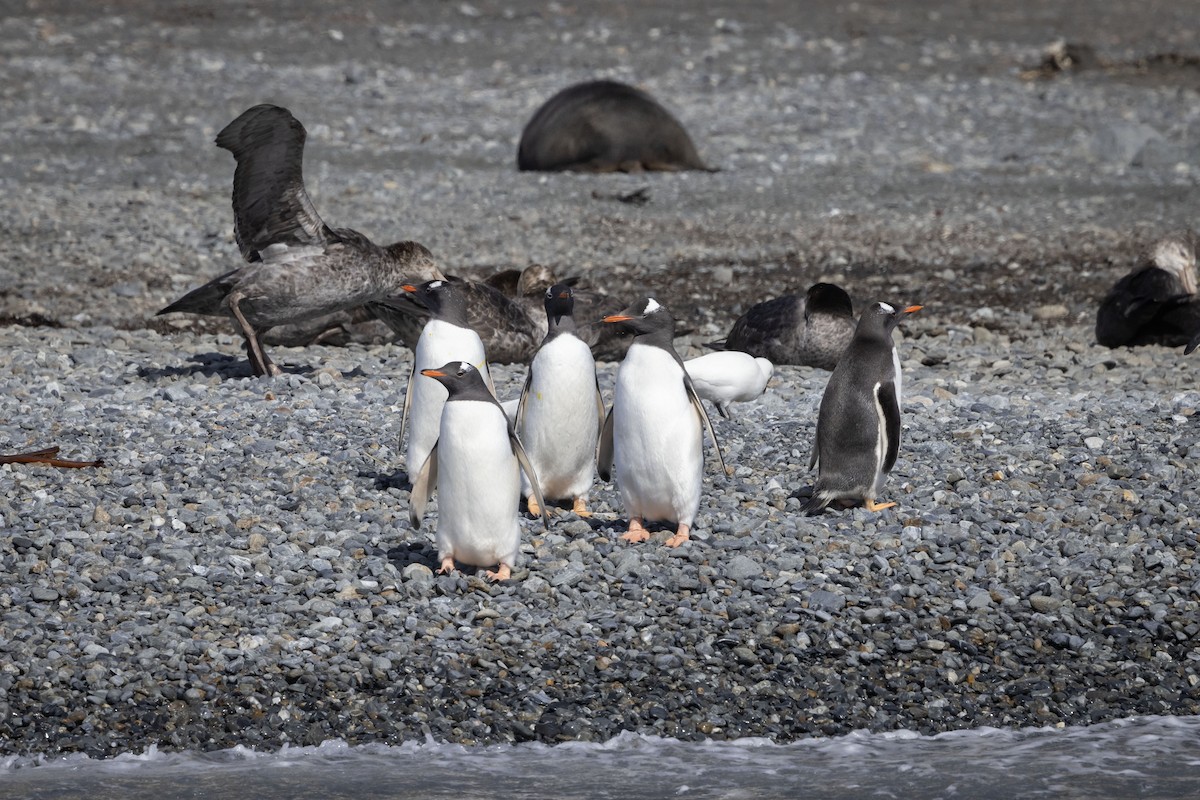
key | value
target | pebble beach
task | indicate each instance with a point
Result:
(241, 570)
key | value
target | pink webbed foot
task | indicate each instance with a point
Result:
(501, 574)
(681, 536)
(447, 566)
(637, 532)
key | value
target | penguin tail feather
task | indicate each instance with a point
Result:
(718, 344)
(814, 505)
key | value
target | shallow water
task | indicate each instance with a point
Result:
(1144, 757)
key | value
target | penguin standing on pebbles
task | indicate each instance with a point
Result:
(858, 424)
(447, 336)
(475, 466)
(560, 413)
(652, 440)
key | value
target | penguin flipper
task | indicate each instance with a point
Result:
(408, 391)
(522, 459)
(600, 415)
(699, 406)
(422, 489)
(604, 456)
(885, 395)
(1193, 344)
(519, 422)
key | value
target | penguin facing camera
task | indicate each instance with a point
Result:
(652, 441)
(858, 423)
(447, 336)
(560, 412)
(475, 467)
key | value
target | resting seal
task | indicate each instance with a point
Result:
(605, 126)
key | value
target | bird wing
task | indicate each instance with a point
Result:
(523, 460)
(699, 406)
(885, 395)
(412, 376)
(604, 456)
(520, 420)
(422, 488)
(270, 204)
(600, 415)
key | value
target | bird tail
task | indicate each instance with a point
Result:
(815, 504)
(718, 344)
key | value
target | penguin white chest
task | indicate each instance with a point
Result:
(657, 440)
(559, 429)
(440, 343)
(478, 486)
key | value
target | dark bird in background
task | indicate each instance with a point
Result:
(1156, 303)
(812, 330)
(858, 423)
(298, 267)
(605, 126)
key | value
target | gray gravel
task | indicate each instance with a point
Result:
(242, 572)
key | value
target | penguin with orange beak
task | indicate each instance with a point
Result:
(475, 466)
(652, 441)
(858, 424)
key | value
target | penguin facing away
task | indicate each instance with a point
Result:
(475, 466)
(560, 412)
(729, 376)
(652, 441)
(858, 424)
(445, 337)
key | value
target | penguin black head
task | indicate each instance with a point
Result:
(880, 319)
(444, 300)
(827, 298)
(560, 302)
(646, 317)
(462, 381)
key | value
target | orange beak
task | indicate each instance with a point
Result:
(912, 309)
(408, 287)
(433, 373)
(564, 295)
(617, 318)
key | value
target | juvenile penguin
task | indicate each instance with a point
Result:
(1157, 302)
(475, 468)
(858, 424)
(811, 331)
(298, 267)
(560, 412)
(652, 441)
(729, 377)
(446, 337)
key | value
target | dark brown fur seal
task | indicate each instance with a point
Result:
(605, 126)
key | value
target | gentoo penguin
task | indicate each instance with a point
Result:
(299, 268)
(858, 424)
(652, 441)
(1157, 302)
(560, 412)
(729, 377)
(445, 337)
(809, 331)
(605, 126)
(475, 468)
